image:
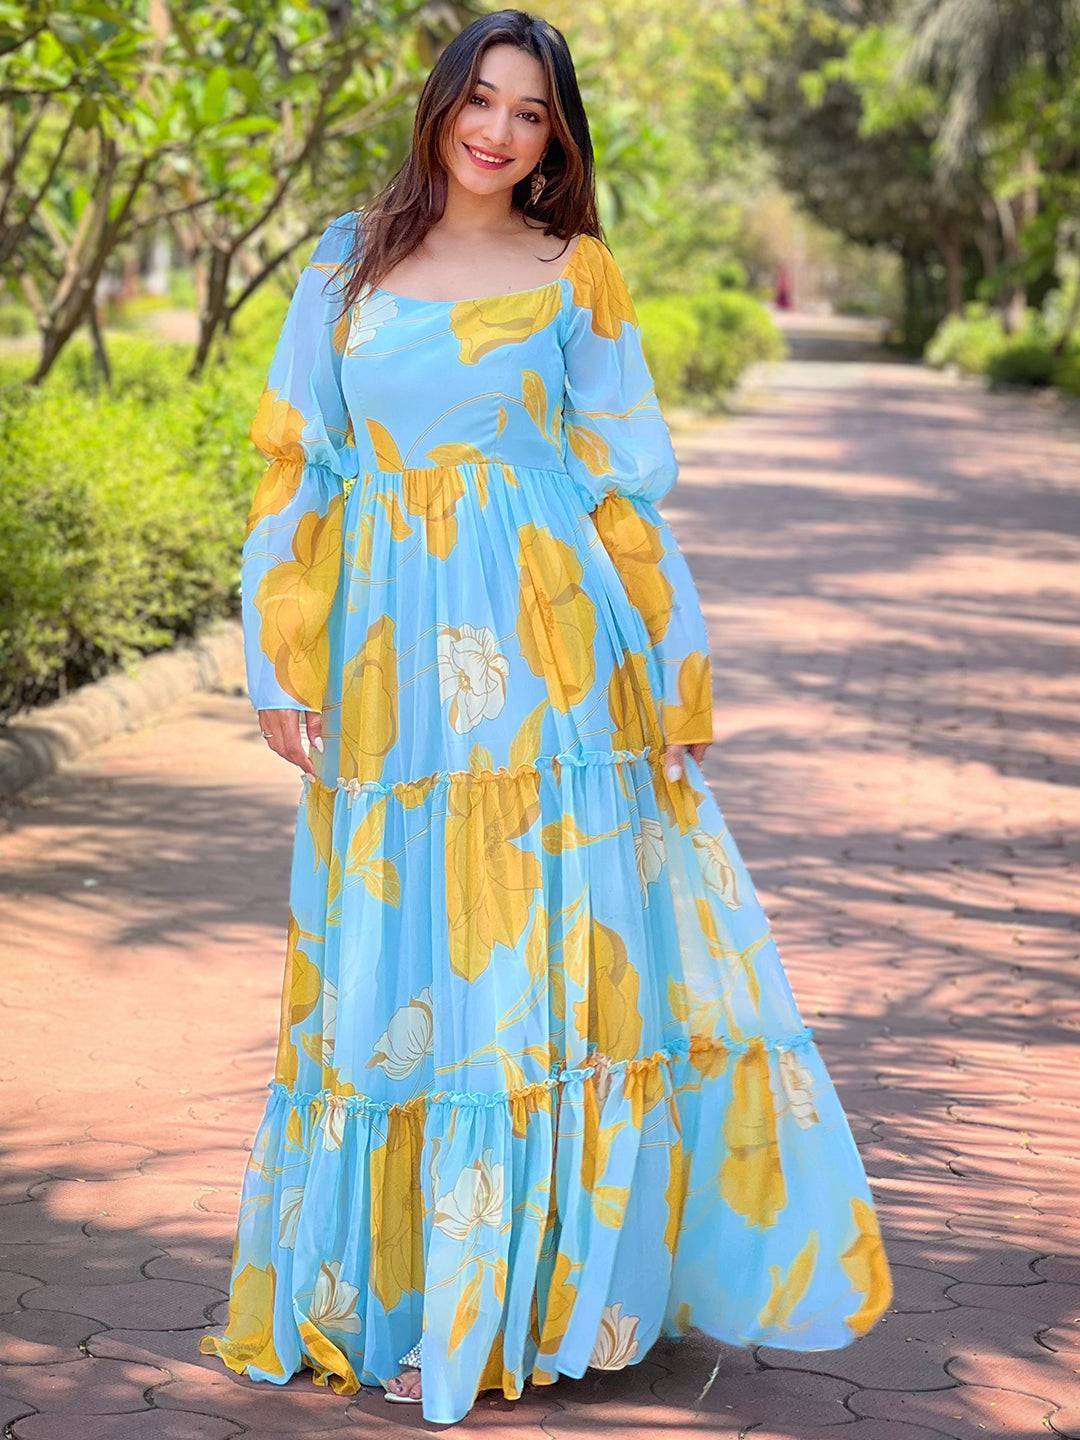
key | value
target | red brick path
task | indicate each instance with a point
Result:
(890, 568)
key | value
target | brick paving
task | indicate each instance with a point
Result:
(889, 562)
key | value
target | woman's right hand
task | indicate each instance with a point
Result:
(281, 731)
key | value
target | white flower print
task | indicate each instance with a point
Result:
(649, 851)
(333, 1300)
(717, 869)
(472, 675)
(616, 1343)
(798, 1085)
(365, 318)
(476, 1199)
(407, 1039)
(292, 1200)
(333, 1122)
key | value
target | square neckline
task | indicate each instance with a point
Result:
(477, 299)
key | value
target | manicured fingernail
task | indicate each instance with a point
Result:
(673, 771)
(317, 742)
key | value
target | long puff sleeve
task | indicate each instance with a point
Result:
(291, 559)
(617, 448)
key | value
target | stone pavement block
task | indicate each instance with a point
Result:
(964, 1412)
(77, 1159)
(145, 1425)
(87, 1386)
(201, 1384)
(12, 1285)
(901, 1352)
(149, 1304)
(1065, 1268)
(1043, 1303)
(853, 1430)
(992, 1350)
(39, 1337)
(917, 1290)
(767, 1396)
(12, 1409)
(71, 1256)
(201, 1263)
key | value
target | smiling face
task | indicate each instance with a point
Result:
(506, 114)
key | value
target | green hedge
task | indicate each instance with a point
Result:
(976, 342)
(120, 513)
(699, 344)
(123, 509)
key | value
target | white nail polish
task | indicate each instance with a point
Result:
(317, 742)
(673, 771)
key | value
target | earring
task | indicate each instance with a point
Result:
(539, 180)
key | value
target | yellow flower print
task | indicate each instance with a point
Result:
(867, 1267)
(319, 812)
(561, 1298)
(632, 705)
(590, 447)
(387, 453)
(329, 1364)
(397, 1239)
(294, 600)
(472, 675)
(599, 286)
(249, 1331)
(467, 1311)
(787, 1290)
(432, 492)
(490, 881)
(276, 432)
(751, 1177)
(299, 996)
(369, 707)
(556, 623)
(363, 862)
(636, 548)
(610, 1015)
(691, 721)
(675, 1194)
(483, 325)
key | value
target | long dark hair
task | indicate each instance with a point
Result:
(400, 215)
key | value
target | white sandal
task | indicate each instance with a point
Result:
(410, 1358)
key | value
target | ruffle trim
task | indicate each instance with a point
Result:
(674, 1050)
(354, 787)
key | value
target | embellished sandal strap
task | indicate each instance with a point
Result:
(411, 1357)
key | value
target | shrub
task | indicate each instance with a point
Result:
(966, 340)
(121, 513)
(1066, 372)
(1022, 360)
(735, 331)
(670, 333)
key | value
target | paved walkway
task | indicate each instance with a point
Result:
(890, 565)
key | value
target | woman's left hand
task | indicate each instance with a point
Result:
(673, 757)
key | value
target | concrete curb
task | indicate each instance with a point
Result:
(38, 743)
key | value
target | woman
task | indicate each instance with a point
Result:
(542, 1092)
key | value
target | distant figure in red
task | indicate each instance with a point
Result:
(783, 289)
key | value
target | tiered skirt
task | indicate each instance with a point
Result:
(542, 1092)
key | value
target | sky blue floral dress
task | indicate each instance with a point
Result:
(542, 1092)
